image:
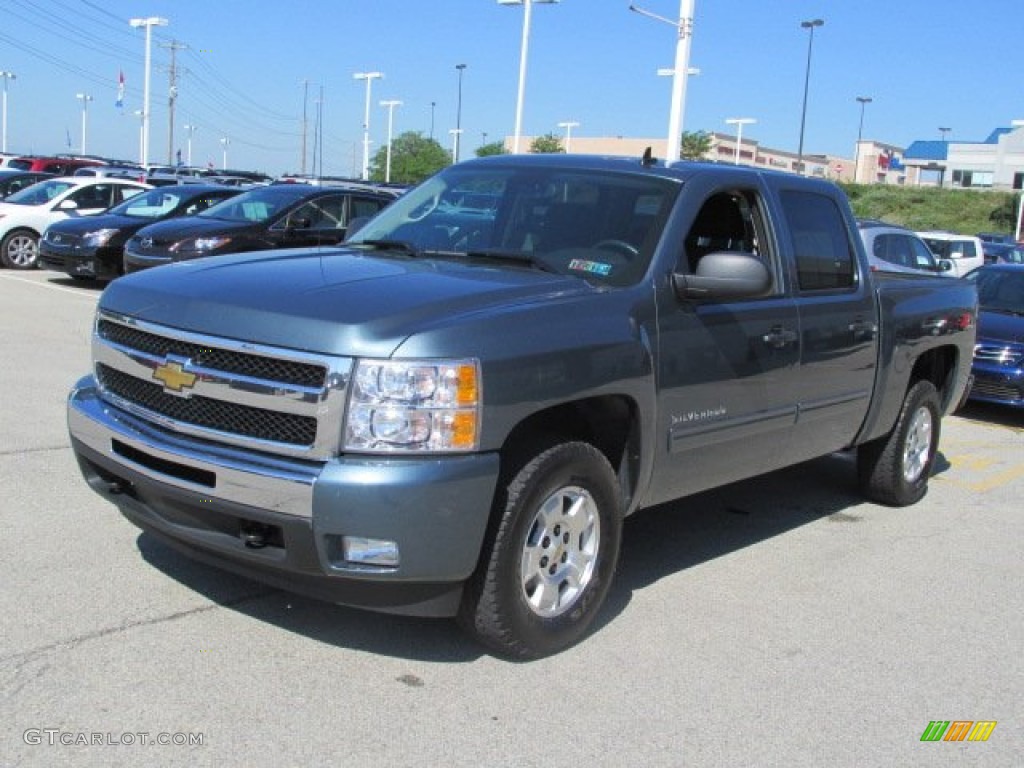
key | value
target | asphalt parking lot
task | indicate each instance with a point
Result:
(778, 622)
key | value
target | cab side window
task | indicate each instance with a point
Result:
(724, 223)
(820, 242)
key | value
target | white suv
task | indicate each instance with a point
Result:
(25, 215)
(964, 252)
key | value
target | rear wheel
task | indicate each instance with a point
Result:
(20, 249)
(552, 557)
(895, 469)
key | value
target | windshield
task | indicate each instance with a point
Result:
(598, 225)
(39, 194)
(151, 204)
(258, 205)
(1000, 290)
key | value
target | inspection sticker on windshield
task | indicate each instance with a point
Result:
(594, 267)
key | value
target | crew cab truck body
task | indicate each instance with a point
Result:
(452, 414)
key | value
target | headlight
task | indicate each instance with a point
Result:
(199, 244)
(414, 406)
(98, 237)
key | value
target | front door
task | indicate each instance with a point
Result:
(725, 369)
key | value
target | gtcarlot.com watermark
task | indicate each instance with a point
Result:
(54, 737)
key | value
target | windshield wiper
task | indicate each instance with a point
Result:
(522, 257)
(403, 246)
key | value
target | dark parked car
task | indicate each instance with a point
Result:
(12, 181)
(1006, 253)
(999, 351)
(277, 216)
(93, 247)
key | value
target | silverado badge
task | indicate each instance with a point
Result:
(173, 376)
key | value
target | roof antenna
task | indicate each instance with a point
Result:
(648, 159)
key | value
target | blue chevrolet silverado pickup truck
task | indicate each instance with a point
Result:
(452, 414)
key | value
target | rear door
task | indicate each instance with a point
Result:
(838, 321)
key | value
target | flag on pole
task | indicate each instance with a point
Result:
(120, 89)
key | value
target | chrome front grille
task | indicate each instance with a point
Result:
(266, 398)
(209, 413)
(1001, 354)
(256, 366)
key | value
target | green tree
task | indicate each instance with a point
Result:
(414, 157)
(695, 145)
(548, 144)
(1004, 215)
(494, 148)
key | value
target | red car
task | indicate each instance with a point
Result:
(62, 166)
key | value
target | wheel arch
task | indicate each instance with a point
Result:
(609, 422)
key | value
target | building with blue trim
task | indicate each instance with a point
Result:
(995, 163)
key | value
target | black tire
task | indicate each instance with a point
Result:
(20, 249)
(552, 557)
(894, 469)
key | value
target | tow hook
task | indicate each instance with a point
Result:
(254, 535)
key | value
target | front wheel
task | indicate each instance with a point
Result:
(552, 557)
(894, 469)
(20, 249)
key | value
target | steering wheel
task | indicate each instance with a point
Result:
(424, 209)
(620, 246)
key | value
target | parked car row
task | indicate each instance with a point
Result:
(101, 227)
(25, 215)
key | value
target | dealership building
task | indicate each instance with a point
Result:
(995, 163)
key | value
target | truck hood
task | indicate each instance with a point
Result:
(329, 301)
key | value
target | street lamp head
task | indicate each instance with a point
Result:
(520, 2)
(148, 22)
(367, 75)
(864, 99)
(460, 66)
(8, 75)
(812, 23)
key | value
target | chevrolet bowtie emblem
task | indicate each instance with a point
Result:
(173, 376)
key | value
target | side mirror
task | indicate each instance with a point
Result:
(67, 205)
(724, 275)
(943, 265)
(302, 222)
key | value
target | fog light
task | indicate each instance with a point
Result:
(364, 551)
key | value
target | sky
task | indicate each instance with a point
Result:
(248, 70)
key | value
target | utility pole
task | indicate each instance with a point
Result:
(305, 124)
(172, 94)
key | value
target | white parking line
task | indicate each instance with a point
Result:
(51, 286)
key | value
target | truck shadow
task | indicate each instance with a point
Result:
(657, 542)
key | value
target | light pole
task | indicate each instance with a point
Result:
(369, 77)
(455, 132)
(6, 76)
(943, 132)
(863, 101)
(807, 80)
(224, 156)
(432, 105)
(390, 105)
(523, 53)
(568, 125)
(739, 122)
(148, 23)
(680, 72)
(458, 110)
(85, 98)
(191, 130)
